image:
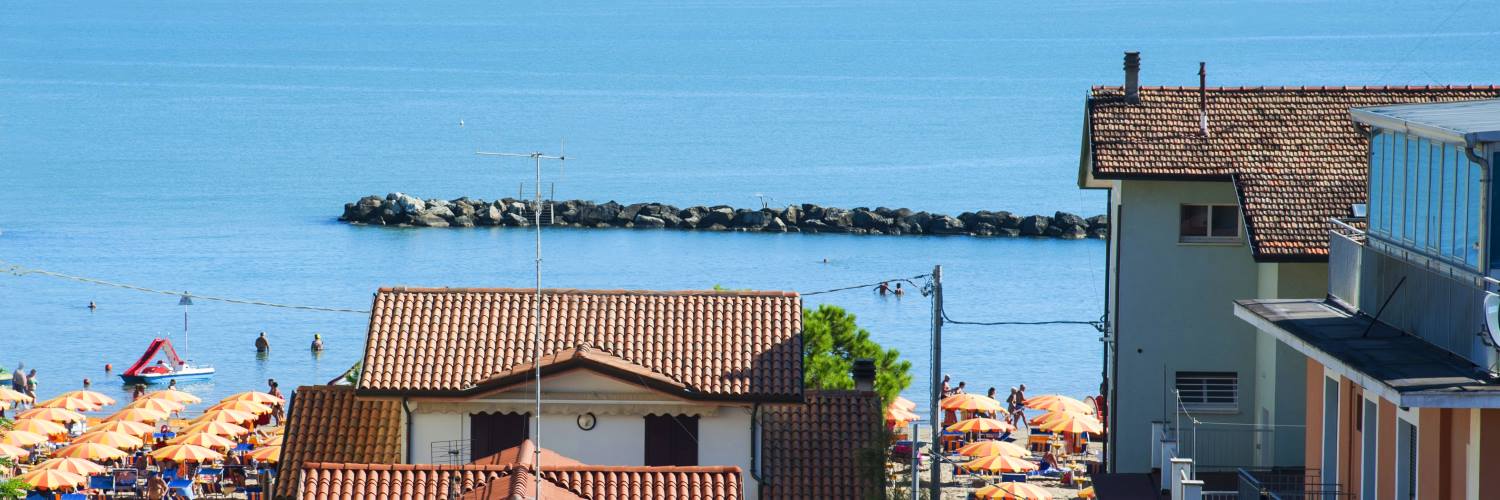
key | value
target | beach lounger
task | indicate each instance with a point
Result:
(1012, 478)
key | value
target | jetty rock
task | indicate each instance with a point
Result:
(404, 210)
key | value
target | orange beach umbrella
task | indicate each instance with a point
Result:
(10, 395)
(90, 396)
(176, 395)
(67, 403)
(273, 441)
(75, 465)
(13, 452)
(1001, 464)
(52, 414)
(136, 429)
(255, 397)
(903, 403)
(267, 454)
(970, 402)
(226, 416)
(22, 439)
(1073, 423)
(987, 448)
(242, 405)
(1057, 402)
(205, 439)
(900, 416)
(43, 427)
(1013, 491)
(52, 479)
(112, 439)
(142, 415)
(216, 428)
(186, 453)
(90, 451)
(163, 405)
(981, 425)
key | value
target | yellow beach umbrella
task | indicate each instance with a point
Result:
(186, 453)
(160, 404)
(273, 441)
(204, 439)
(1086, 492)
(136, 429)
(987, 448)
(176, 395)
(51, 479)
(904, 404)
(267, 454)
(90, 451)
(226, 416)
(68, 404)
(216, 428)
(970, 402)
(981, 425)
(13, 452)
(75, 465)
(112, 439)
(1013, 491)
(244, 406)
(255, 397)
(43, 427)
(273, 431)
(22, 439)
(142, 415)
(1073, 423)
(52, 415)
(1057, 402)
(10, 395)
(1000, 464)
(90, 396)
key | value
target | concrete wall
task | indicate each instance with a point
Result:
(1280, 371)
(1174, 302)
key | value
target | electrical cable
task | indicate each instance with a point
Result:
(22, 271)
(910, 281)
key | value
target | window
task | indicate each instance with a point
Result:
(1368, 432)
(1209, 391)
(671, 440)
(493, 432)
(1209, 224)
(1330, 431)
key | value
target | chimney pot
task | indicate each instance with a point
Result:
(1133, 77)
(864, 374)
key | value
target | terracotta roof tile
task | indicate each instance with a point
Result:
(814, 450)
(717, 345)
(1292, 152)
(514, 481)
(328, 424)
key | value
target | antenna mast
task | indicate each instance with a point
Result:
(536, 339)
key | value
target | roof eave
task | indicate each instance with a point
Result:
(1369, 116)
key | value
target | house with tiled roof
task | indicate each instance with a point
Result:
(1218, 194)
(634, 384)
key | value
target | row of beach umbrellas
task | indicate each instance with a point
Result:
(201, 439)
(1065, 414)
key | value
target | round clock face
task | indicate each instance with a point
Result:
(586, 421)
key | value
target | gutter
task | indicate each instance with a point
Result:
(755, 446)
(409, 437)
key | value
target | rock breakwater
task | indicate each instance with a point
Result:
(400, 209)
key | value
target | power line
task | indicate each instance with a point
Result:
(910, 281)
(1096, 324)
(23, 271)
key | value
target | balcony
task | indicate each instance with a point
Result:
(1283, 484)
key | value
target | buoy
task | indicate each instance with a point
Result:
(108, 367)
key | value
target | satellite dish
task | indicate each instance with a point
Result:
(1492, 316)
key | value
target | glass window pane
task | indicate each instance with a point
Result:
(1472, 215)
(1194, 221)
(1460, 203)
(1450, 204)
(1417, 164)
(1377, 172)
(1434, 183)
(1226, 221)
(1409, 216)
(1398, 185)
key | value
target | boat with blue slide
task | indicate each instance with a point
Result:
(160, 363)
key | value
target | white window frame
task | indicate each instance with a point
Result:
(1239, 225)
(1204, 378)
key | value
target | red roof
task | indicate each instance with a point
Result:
(514, 481)
(328, 424)
(709, 345)
(831, 447)
(1294, 156)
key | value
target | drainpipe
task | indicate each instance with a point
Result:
(755, 447)
(1484, 208)
(408, 429)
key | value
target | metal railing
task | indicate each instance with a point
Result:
(450, 452)
(1345, 254)
(1287, 484)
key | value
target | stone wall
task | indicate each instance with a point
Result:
(399, 209)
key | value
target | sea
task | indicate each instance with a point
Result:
(207, 147)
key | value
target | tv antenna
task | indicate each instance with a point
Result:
(536, 338)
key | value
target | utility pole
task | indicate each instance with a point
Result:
(936, 484)
(536, 339)
(916, 463)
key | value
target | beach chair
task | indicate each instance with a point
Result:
(1012, 478)
(73, 496)
(183, 486)
(103, 482)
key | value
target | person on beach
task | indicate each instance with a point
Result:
(960, 388)
(990, 394)
(138, 392)
(275, 391)
(262, 344)
(31, 383)
(18, 381)
(947, 389)
(1018, 415)
(155, 487)
(317, 345)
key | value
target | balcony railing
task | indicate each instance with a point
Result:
(1295, 483)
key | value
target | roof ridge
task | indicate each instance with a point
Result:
(588, 291)
(1371, 88)
(716, 469)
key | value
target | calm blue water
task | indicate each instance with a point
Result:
(207, 146)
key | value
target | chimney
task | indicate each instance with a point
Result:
(1133, 77)
(864, 374)
(1203, 98)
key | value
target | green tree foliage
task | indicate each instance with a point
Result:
(831, 341)
(10, 487)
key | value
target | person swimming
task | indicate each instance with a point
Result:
(898, 290)
(262, 344)
(317, 344)
(884, 288)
